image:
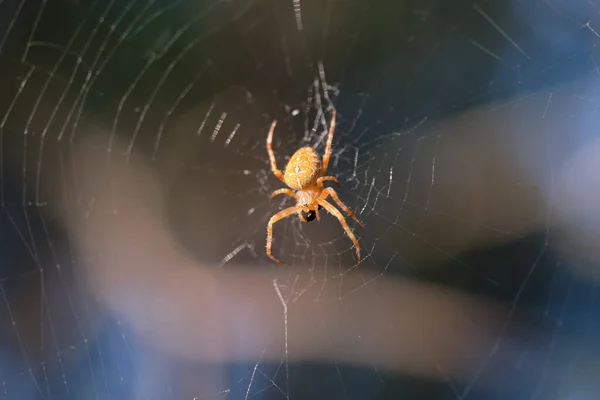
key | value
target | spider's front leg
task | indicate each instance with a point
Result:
(334, 211)
(280, 215)
(292, 194)
(331, 192)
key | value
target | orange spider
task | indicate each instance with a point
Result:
(305, 174)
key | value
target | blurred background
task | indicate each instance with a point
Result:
(459, 129)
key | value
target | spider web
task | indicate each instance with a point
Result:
(454, 121)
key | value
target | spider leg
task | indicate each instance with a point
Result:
(334, 211)
(280, 215)
(289, 192)
(327, 178)
(327, 154)
(331, 192)
(317, 214)
(274, 168)
(292, 194)
(302, 218)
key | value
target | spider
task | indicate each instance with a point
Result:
(304, 175)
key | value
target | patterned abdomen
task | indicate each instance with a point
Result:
(303, 169)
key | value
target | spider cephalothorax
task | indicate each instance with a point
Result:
(305, 174)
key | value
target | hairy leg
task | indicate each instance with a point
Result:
(331, 192)
(334, 211)
(280, 215)
(289, 192)
(327, 154)
(274, 168)
(327, 178)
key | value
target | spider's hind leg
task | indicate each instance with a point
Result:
(327, 155)
(272, 160)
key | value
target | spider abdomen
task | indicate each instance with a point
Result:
(303, 168)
